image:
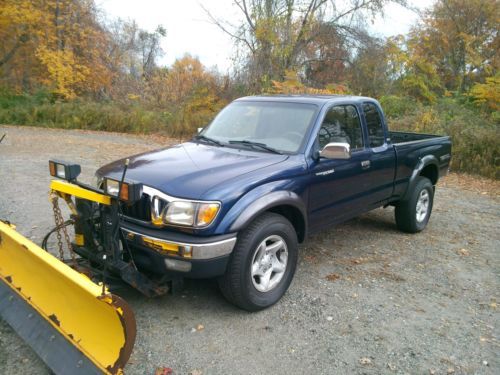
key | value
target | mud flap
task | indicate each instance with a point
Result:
(61, 313)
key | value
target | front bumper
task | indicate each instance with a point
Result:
(163, 252)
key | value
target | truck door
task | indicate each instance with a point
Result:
(338, 187)
(381, 163)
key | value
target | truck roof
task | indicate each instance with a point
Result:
(306, 99)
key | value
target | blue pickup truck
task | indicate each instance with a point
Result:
(235, 201)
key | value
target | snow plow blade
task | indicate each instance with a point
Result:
(60, 313)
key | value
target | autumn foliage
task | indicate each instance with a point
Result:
(63, 63)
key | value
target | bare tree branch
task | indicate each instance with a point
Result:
(219, 24)
(23, 38)
(244, 9)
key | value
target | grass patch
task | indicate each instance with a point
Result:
(43, 110)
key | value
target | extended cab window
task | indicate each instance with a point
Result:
(374, 125)
(341, 124)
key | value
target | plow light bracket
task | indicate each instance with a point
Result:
(64, 170)
(130, 191)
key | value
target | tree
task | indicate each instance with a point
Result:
(64, 46)
(149, 47)
(57, 43)
(488, 94)
(369, 72)
(292, 84)
(275, 33)
(186, 91)
(327, 57)
(460, 38)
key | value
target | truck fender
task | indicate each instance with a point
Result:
(254, 203)
(421, 164)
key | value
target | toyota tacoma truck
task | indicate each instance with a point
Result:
(235, 201)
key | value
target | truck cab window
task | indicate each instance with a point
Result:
(341, 124)
(374, 125)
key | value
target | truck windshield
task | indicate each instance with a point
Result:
(279, 126)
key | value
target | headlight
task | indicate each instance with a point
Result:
(112, 187)
(197, 214)
(64, 170)
(131, 191)
(181, 213)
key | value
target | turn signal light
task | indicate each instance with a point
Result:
(206, 213)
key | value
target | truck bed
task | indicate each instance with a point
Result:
(410, 148)
(403, 137)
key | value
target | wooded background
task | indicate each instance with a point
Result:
(63, 64)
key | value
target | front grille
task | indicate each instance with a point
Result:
(140, 210)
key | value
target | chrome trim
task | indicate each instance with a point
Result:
(336, 150)
(199, 251)
(445, 157)
(154, 192)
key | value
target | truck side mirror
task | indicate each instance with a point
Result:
(336, 150)
(199, 130)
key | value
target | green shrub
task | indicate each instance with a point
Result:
(397, 106)
(475, 136)
(42, 110)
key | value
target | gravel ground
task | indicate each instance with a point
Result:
(366, 299)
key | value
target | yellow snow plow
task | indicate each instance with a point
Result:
(58, 306)
(74, 325)
(62, 307)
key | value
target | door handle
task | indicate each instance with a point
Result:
(365, 164)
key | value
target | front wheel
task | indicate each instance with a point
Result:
(262, 264)
(412, 215)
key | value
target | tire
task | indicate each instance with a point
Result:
(245, 283)
(413, 214)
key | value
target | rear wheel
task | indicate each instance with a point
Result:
(262, 264)
(412, 215)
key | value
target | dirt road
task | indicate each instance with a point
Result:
(366, 298)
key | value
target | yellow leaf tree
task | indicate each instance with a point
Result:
(54, 43)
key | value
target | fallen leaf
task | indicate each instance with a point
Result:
(200, 327)
(163, 371)
(196, 372)
(463, 252)
(310, 258)
(365, 361)
(391, 367)
(332, 277)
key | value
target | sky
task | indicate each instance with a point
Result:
(190, 31)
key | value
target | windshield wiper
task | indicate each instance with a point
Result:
(256, 144)
(202, 137)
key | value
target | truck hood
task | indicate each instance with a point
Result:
(189, 169)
